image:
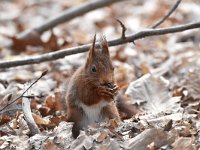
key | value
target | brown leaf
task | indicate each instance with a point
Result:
(2, 133)
(34, 104)
(44, 111)
(59, 105)
(120, 55)
(49, 145)
(144, 68)
(49, 102)
(192, 83)
(168, 126)
(51, 44)
(20, 42)
(113, 123)
(4, 119)
(185, 143)
(4, 101)
(56, 120)
(123, 74)
(39, 120)
(54, 102)
(102, 136)
(151, 146)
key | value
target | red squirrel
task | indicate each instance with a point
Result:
(91, 90)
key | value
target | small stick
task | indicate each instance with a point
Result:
(22, 95)
(123, 29)
(162, 19)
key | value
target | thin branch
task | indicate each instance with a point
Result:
(123, 29)
(161, 20)
(22, 95)
(80, 49)
(67, 15)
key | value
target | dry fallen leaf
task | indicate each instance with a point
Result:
(82, 142)
(185, 143)
(152, 54)
(20, 42)
(102, 136)
(39, 120)
(192, 83)
(4, 119)
(52, 104)
(113, 123)
(54, 121)
(112, 144)
(153, 92)
(141, 141)
(44, 87)
(151, 146)
(49, 145)
(45, 111)
(63, 135)
(52, 43)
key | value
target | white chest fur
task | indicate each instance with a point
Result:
(93, 113)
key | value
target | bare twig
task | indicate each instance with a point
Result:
(123, 29)
(80, 49)
(161, 20)
(28, 115)
(22, 95)
(67, 15)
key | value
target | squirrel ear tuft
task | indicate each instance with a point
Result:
(92, 49)
(91, 52)
(104, 45)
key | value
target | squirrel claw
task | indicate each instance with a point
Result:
(106, 92)
(115, 89)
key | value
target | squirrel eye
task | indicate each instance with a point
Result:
(94, 69)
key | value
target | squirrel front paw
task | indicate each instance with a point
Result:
(115, 89)
(108, 91)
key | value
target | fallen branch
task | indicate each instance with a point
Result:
(161, 20)
(67, 15)
(28, 115)
(80, 49)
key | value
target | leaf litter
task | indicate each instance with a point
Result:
(159, 74)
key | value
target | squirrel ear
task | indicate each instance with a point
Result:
(92, 49)
(104, 45)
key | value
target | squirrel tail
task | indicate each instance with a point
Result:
(125, 108)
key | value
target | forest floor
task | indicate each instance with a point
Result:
(160, 74)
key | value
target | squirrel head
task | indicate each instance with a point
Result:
(99, 65)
